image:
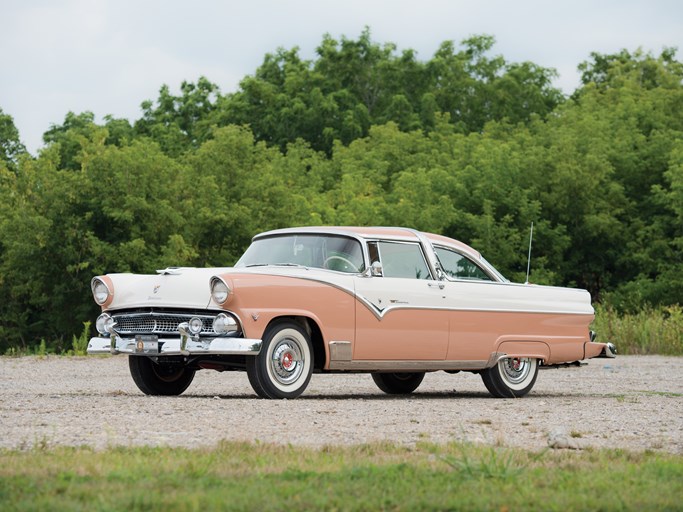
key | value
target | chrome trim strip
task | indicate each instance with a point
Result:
(380, 312)
(428, 252)
(479, 264)
(173, 346)
(495, 359)
(408, 366)
(517, 311)
(340, 359)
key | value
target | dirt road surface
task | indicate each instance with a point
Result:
(632, 402)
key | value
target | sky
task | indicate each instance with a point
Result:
(108, 56)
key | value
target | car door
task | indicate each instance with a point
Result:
(472, 296)
(400, 314)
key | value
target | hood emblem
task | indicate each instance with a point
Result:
(156, 288)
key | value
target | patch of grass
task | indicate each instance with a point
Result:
(385, 476)
(42, 348)
(494, 463)
(667, 394)
(79, 344)
(650, 331)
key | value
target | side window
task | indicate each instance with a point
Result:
(458, 266)
(403, 260)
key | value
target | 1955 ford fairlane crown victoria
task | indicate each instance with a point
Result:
(392, 302)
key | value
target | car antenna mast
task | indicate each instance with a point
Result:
(528, 260)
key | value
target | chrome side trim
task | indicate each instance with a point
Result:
(495, 359)
(340, 359)
(173, 346)
(407, 366)
(379, 313)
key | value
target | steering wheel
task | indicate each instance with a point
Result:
(348, 265)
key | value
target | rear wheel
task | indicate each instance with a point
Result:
(284, 366)
(398, 383)
(512, 377)
(158, 378)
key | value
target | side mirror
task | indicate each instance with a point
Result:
(376, 269)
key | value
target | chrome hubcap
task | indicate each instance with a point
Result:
(287, 361)
(515, 369)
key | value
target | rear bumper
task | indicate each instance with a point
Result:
(609, 350)
(593, 349)
(174, 346)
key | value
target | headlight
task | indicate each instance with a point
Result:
(219, 290)
(195, 325)
(101, 323)
(224, 324)
(100, 291)
(105, 324)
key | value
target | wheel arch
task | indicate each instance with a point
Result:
(314, 332)
(523, 348)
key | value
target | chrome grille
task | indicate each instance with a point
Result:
(158, 323)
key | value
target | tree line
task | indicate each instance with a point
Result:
(464, 144)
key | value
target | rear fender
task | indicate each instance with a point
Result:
(520, 348)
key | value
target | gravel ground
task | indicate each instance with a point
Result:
(632, 402)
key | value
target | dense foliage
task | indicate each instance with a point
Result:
(464, 144)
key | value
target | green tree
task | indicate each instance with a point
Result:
(11, 146)
(58, 227)
(180, 123)
(598, 164)
(241, 186)
(354, 84)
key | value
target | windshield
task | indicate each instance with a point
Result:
(331, 252)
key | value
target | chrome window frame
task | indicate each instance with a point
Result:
(494, 277)
(420, 246)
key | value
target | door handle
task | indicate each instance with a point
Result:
(439, 285)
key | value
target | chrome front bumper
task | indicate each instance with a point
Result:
(180, 346)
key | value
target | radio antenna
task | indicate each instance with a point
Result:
(528, 261)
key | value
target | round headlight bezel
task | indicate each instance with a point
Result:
(220, 291)
(102, 322)
(100, 291)
(224, 324)
(195, 325)
(105, 324)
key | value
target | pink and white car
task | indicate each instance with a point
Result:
(392, 302)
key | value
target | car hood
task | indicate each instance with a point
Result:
(170, 288)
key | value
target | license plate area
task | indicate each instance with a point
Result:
(146, 344)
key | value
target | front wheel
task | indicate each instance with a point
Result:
(398, 383)
(512, 377)
(158, 378)
(284, 366)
